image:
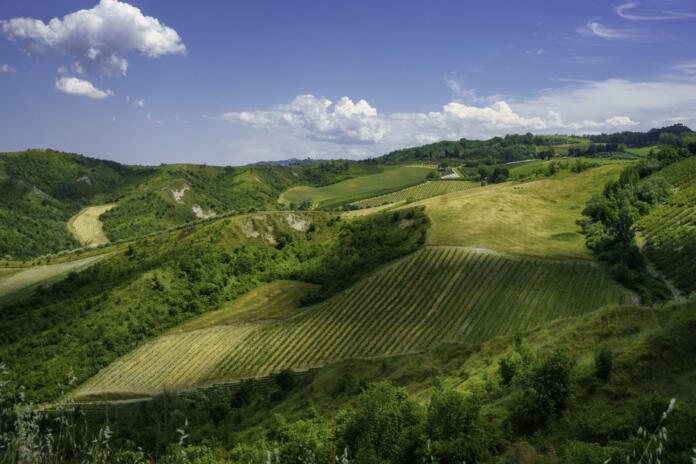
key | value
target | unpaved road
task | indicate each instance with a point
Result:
(49, 273)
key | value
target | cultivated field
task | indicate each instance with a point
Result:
(533, 218)
(436, 295)
(392, 179)
(46, 274)
(86, 226)
(669, 231)
(418, 192)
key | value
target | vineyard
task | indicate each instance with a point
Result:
(418, 192)
(436, 295)
(669, 231)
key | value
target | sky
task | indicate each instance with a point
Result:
(230, 83)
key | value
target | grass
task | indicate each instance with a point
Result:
(418, 192)
(643, 151)
(535, 218)
(391, 179)
(86, 226)
(23, 282)
(434, 296)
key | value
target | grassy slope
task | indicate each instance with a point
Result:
(535, 218)
(86, 226)
(434, 296)
(354, 189)
(653, 360)
(418, 192)
(147, 287)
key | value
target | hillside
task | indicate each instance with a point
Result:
(42, 191)
(669, 231)
(144, 288)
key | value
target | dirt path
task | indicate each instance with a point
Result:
(47, 273)
(676, 294)
(86, 226)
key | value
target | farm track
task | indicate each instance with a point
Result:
(49, 273)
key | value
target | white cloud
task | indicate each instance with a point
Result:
(352, 125)
(538, 52)
(75, 86)
(624, 12)
(687, 68)
(346, 122)
(6, 68)
(138, 103)
(98, 37)
(597, 29)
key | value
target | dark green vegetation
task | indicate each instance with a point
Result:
(557, 401)
(41, 189)
(669, 230)
(92, 317)
(448, 355)
(610, 229)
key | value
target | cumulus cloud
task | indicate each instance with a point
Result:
(319, 119)
(6, 68)
(75, 86)
(97, 37)
(624, 11)
(353, 124)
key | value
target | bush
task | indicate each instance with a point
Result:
(603, 363)
(508, 369)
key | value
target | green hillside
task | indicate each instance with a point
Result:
(389, 180)
(418, 192)
(669, 231)
(145, 288)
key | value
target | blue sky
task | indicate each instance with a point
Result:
(153, 81)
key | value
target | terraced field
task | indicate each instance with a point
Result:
(436, 295)
(390, 180)
(418, 192)
(669, 231)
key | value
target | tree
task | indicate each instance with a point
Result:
(384, 425)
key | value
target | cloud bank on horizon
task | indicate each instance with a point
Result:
(304, 118)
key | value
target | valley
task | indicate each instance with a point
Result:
(167, 291)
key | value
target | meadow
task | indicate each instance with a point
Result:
(391, 179)
(434, 296)
(536, 218)
(86, 226)
(419, 192)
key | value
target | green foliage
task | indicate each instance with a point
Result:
(603, 359)
(548, 387)
(102, 313)
(508, 367)
(384, 426)
(455, 429)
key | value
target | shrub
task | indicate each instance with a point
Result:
(603, 363)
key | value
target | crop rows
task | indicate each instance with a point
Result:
(670, 229)
(168, 363)
(436, 295)
(418, 192)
